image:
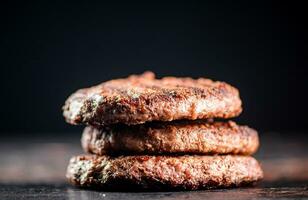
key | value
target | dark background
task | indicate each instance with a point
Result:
(48, 50)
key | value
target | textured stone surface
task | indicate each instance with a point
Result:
(35, 169)
(63, 191)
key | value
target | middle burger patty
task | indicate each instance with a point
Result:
(179, 137)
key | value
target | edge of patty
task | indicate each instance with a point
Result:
(177, 137)
(163, 172)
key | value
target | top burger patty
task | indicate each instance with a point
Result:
(141, 98)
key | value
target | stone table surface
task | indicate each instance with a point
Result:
(34, 168)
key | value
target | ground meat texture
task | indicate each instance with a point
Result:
(163, 172)
(142, 98)
(177, 137)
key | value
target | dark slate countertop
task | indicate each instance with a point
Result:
(35, 168)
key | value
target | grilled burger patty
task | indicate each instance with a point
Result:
(142, 98)
(163, 172)
(181, 137)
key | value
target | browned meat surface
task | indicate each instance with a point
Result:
(184, 137)
(158, 172)
(142, 98)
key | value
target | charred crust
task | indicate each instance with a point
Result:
(142, 98)
(177, 137)
(180, 172)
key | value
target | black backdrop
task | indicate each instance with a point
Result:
(48, 50)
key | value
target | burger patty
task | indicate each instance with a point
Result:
(142, 98)
(184, 137)
(163, 172)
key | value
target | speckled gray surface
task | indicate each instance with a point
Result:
(58, 191)
(34, 169)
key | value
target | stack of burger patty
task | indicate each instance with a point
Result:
(153, 133)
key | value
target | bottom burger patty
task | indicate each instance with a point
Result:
(163, 172)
